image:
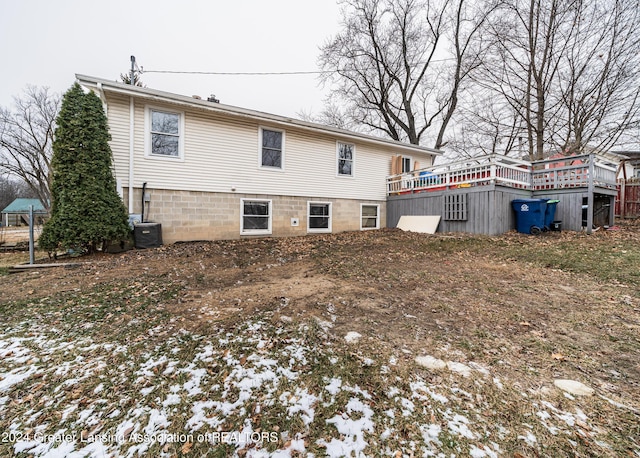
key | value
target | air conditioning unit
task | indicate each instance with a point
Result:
(147, 235)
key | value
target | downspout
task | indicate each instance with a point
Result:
(144, 190)
(131, 131)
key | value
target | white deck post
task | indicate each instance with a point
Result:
(590, 190)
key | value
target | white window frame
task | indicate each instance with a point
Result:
(353, 160)
(319, 230)
(410, 164)
(267, 231)
(282, 152)
(363, 228)
(147, 134)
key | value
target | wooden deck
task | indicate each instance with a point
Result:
(475, 195)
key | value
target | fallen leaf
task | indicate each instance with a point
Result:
(186, 447)
(127, 432)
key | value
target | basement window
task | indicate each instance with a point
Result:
(319, 217)
(455, 207)
(255, 217)
(370, 216)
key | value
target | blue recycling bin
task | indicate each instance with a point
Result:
(550, 213)
(530, 215)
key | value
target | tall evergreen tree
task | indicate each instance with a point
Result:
(86, 209)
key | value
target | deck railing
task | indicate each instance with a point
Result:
(573, 171)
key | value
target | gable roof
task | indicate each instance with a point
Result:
(21, 205)
(102, 85)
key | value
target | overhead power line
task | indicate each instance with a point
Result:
(313, 72)
(238, 73)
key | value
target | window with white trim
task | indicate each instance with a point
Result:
(369, 216)
(319, 216)
(271, 148)
(255, 216)
(346, 152)
(406, 164)
(165, 133)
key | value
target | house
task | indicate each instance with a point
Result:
(205, 170)
(17, 212)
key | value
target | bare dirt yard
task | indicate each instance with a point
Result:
(378, 343)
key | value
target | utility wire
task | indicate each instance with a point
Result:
(316, 72)
(238, 73)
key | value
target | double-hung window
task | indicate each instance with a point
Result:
(369, 216)
(272, 149)
(319, 217)
(346, 153)
(255, 216)
(165, 131)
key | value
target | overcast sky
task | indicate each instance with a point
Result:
(46, 42)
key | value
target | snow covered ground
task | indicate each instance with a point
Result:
(266, 389)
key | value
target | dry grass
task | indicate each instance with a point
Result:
(251, 333)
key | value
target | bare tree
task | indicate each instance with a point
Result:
(390, 68)
(26, 138)
(10, 189)
(567, 70)
(599, 82)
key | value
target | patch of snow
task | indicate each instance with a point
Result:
(334, 386)
(15, 376)
(430, 434)
(459, 368)
(352, 430)
(408, 406)
(529, 438)
(172, 399)
(392, 392)
(200, 417)
(303, 402)
(147, 391)
(458, 425)
(352, 337)
(574, 387)
(430, 362)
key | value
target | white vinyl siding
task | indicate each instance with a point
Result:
(255, 217)
(221, 154)
(119, 129)
(318, 216)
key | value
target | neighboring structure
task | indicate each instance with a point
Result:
(17, 212)
(628, 199)
(210, 171)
